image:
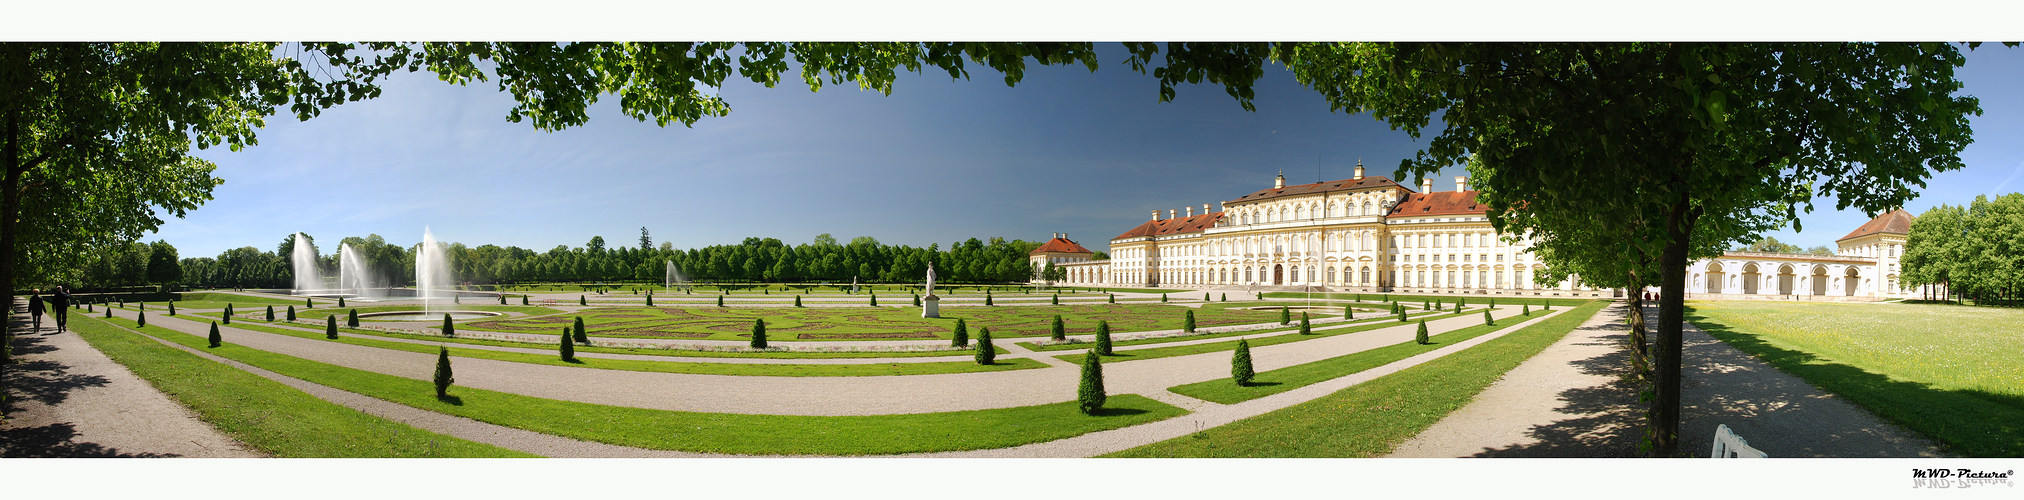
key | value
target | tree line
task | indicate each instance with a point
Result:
(752, 260)
(1974, 251)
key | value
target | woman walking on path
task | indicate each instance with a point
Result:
(60, 303)
(35, 308)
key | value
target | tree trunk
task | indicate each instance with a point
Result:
(1666, 365)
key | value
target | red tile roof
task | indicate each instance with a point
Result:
(1439, 203)
(1367, 182)
(1059, 245)
(1173, 226)
(1897, 221)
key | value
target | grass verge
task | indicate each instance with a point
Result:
(266, 415)
(1368, 319)
(715, 432)
(1294, 377)
(1184, 350)
(1373, 418)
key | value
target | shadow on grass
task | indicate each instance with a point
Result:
(1257, 383)
(451, 399)
(1118, 412)
(1974, 423)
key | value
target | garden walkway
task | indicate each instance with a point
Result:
(66, 399)
(1570, 401)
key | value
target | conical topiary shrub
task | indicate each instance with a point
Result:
(1347, 313)
(797, 301)
(228, 313)
(140, 317)
(650, 299)
(443, 375)
(568, 349)
(351, 319)
(449, 329)
(1113, 298)
(1055, 300)
(1225, 297)
(1525, 309)
(340, 302)
(1240, 364)
(1188, 321)
(172, 308)
(1057, 330)
(308, 303)
(1103, 338)
(1285, 316)
(291, 313)
(987, 297)
(330, 327)
(874, 300)
(720, 301)
(1163, 298)
(523, 300)
(270, 313)
(215, 338)
(961, 336)
(581, 337)
(581, 301)
(759, 333)
(1305, 329)
(1090, 392)
(986, 354)
(1421, 337)
(1486, 318)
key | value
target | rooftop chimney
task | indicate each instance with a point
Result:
(1279, 182)
(1205, 209)
(1359, 170)
(1191, 211)
(1426, 185)
(1156, 215)
(1173, 214)
(1461, 183)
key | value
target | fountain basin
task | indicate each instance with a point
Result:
(425, 316)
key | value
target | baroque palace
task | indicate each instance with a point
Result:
(1371, 234)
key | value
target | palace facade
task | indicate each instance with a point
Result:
(1372, 234)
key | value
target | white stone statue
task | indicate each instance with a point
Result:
(931, 278)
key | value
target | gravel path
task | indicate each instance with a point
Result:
(67, 399)
(876, 395)
(1569, 402)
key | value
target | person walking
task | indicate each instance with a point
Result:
(59, 301)
(35, 308)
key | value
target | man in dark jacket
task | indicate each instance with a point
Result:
(60, 303)
(35, 308)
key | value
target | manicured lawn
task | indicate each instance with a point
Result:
(1184, 350)
(715, 432)
(867, 323)
(1373, 418)
(1271, 382)
(772, 370)
(313, 324)
(1951, 372)
(266, 415)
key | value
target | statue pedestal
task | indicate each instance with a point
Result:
(931, 306)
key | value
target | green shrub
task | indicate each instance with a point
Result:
(140, 317)
(987, 297)
(1304, 328)
(1188, 321)
(270, 313)
(1226, 297)
(449, 329)
(523, 300)
(874, 300)
(986, 354)
(108, 310)
(443, 376)
(340, 302)
(650, 299)
(459, 299)
(581, 337)
(1163, 298)
(583, 301)
(1421, 337)
(568, 348)
(797, 301)
(917, 300)
(759, 333)
(1284, 316)
(1347, 313)
(1547, 307)
(1090, 392)
(172, 308)
(1205, 296)
(1113, 297)
(1240, 364)
(1426, 306)
(1525, 309)
(961, 336)
(720, 301)
(351, 319)
(216, 339)
(291, 312)
(1057, 330)
(1486, 318)
(228, 313)
(1493, 302)
(1402, 316)
(308, 303)
(1103, 338)
(330, 326)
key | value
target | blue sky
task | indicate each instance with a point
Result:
(938, 161)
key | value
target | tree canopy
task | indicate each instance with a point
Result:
(1976, 251)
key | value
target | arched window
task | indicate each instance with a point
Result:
(1366, 274)
(1330, 275)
